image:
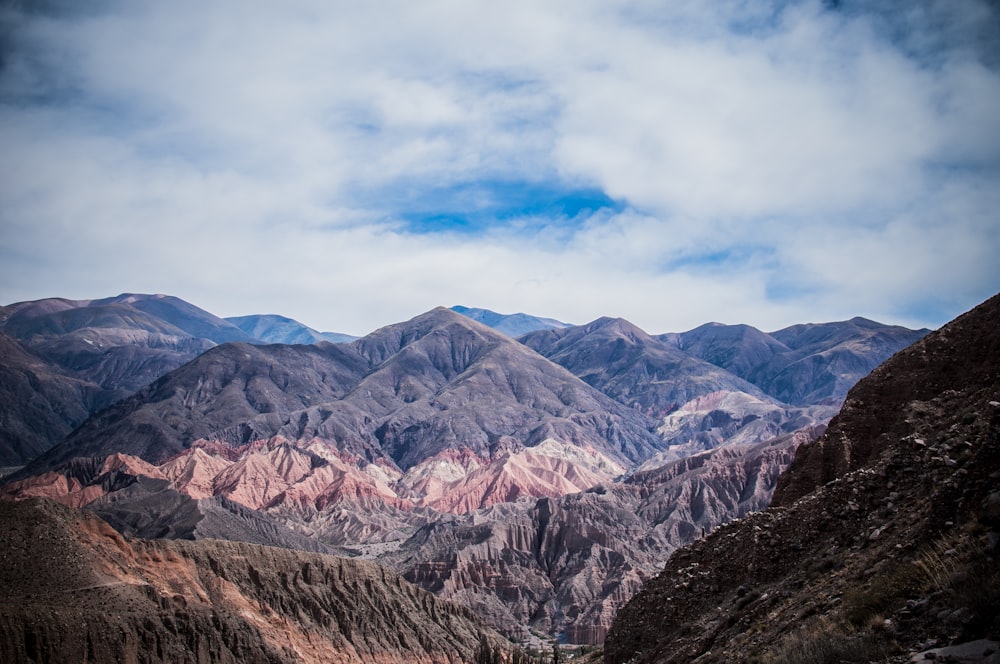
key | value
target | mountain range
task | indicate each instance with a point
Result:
(540, 481)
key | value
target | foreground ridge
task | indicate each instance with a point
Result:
(72, 589)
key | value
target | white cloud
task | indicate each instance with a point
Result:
(776, 163)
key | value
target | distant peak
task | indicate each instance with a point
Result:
(619, 324)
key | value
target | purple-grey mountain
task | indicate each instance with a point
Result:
(405, 393)
(39, 403)
(803, 364)
(104, 349)
(634, 368)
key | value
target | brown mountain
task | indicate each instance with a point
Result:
(72, 589)
(882, 539)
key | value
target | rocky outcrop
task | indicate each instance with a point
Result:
(880, 543)
(72, 589)
(964, 353)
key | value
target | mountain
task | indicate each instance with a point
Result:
(72, 589)
(803, 364)
(621, 360)
(881, 540)
(274, 329)
(513, 325)
(539, 481)
(697, 404)
(39, 404)
(87, 354)
(403, 396)
(120, 343)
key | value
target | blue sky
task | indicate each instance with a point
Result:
(354, 164)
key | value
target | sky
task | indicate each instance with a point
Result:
(351, 165)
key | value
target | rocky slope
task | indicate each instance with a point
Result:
(72, 589)
(882, 540)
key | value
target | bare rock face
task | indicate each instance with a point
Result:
(72, 589)
(881, 539)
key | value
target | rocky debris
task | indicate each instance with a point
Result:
(882, 540)
(72, 589)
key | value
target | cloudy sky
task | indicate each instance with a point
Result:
(355, 164)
